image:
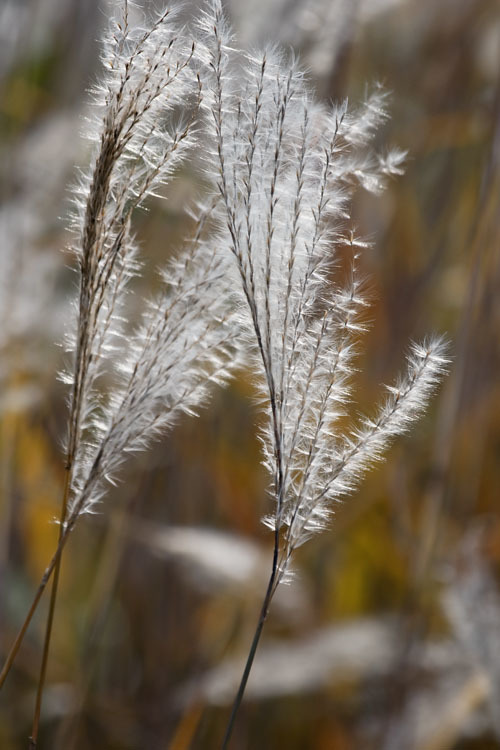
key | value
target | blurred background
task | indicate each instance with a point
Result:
(389, 637)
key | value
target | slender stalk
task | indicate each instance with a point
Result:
(41, 588)
(50, 615)
(66, 530)
(20, 636)
(271, 588)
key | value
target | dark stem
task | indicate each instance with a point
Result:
(63, 538)
(50, 615)
(271, 588)
(41, 588)
(45, 656)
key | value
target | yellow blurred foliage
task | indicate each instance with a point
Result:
(41, 487)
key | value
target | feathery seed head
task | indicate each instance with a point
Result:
(184, 344)
(286, 170)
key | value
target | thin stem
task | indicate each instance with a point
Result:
(271, 588)
(66, 530)
(41, 588)
(50, 615)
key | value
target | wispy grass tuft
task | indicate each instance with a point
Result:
(166, 366)
(286, 170)
(258, 280)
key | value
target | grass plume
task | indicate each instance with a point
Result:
(184, 344)
(286, 170)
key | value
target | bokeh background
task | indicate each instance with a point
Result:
(389, 637)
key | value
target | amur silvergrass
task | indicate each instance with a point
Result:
(286, 169)
(129, 385)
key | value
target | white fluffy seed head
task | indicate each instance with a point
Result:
(285, 170)
(184, 343)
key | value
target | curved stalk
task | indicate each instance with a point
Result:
(271, 588)
(50, 615)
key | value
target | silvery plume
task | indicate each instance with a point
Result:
(285, 169)
(130, 382)
(165, 366)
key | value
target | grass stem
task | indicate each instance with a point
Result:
(271, 588)
(50, 614)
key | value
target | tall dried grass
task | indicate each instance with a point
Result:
(258, 281)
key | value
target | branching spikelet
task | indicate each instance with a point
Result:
(183, 343)
(286, 169)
